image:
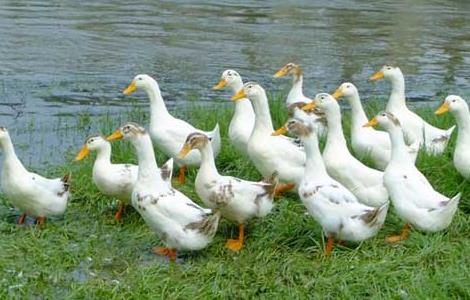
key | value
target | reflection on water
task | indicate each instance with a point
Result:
(59, 58)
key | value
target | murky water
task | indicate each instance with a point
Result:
(61, 58)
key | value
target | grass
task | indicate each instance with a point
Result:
(86, 254)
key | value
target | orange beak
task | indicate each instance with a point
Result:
(130, 88)
(337, 94)
(281, 73)
(442, 109)
(377, 76)
(280, 131)
(373, 122)
(240, 95)
(184, 151)
(83, 153)
(222, 83)
(309, 106)
(117, 135)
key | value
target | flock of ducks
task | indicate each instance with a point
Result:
(349, 199)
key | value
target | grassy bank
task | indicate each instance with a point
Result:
(86, 254)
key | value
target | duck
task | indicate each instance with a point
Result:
(413, 197)
(270, 153)
(237, 200)
(167, 132)
(364, 182)
(181, 224)
(434, 140)
(243, 119)
(296, 94)
(366, 142)
(31, 193)
(114, 180)
(341, 215)
(458, 107)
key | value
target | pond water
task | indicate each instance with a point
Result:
(62, 58)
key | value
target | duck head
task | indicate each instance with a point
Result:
(387, 72)
(297, 126)
(250, 90)
(324, 102)
(142, 81)
(92, 143)
(129, 131)
(452, 103)
(385, 119)
(231, 79)
(4, 135)
(346, 89)
(289, 69)
(195, 140)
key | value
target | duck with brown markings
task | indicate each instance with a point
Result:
(179, 222)
(413, 197)
(114, 180)
(238, 200)
(340, 214)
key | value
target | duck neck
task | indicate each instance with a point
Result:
(158, 110)
(358, 116)
(315, 167)
(148, 169)
(103, 154)
(207, 168)
(263, 120)
(399, 150)
(297, 85)
(335, 135)
(462, 118)
(397, 95)
(10, 160)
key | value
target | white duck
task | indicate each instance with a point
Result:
(413, 197)
(31, 193)
(433, 139)
(296, 94)
(238, 200)
(367, 142)
(338, 211)
(243, 119)
(270, 153)
(179, 222)
(364, 182)
(167, 132)
(459, 109)
(114, 180)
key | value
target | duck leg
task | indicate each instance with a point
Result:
(401, 237)
(329, 245)
(21, 219)
(182, 174)
(168, 252)
(283, 187)
(121, 209)
(236, 245)
(40, 220)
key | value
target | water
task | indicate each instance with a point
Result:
(62, 58)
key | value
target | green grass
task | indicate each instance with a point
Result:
(87, 255)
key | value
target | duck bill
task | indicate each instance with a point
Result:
(240, 95)
(281, 73)
(280, 131)
(184, 151)
(83, 153)
(130, 88)
(442, 109)
(117, 135)
(377, 76)
(337, 94)
(309, 106)
(373, 122)
(222, 83)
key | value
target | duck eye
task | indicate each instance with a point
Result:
(140, 78)
(383, 115)
(348, 86)
(453, 100)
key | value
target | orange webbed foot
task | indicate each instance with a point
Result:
(401, 237)
(283, 187)
(40, 220)
(234, 245)
(170, 253)
(21, 219)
